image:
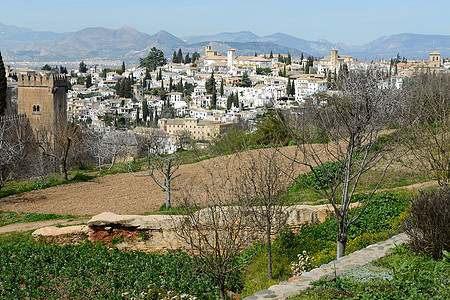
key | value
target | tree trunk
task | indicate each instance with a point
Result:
(168, 205)
(269, 251)
(112, 162)
(63, 169)
(341, 242)
(222, 292)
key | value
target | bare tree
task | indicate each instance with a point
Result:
(428, 120)
(265, 176)
(57, 144)
(165, 168)
(352, 119)
(16, 148)
(215, 235)
(162, 168)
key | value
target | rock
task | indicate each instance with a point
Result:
(153, 222)
(53, 231)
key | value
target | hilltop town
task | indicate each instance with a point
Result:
(202, 96)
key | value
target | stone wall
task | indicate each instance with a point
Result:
(156, 232)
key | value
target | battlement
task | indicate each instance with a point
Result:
(15, 117)
(51, 80)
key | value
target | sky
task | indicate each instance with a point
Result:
(353, 22)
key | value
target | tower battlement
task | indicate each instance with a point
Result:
(51, 80)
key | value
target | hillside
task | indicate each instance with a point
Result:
(120, 193)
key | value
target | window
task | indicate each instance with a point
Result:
(36, 110)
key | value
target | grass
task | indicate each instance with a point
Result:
(412, 276)
(7, 218)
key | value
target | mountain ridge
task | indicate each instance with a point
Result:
(128, 44)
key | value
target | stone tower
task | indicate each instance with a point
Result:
(334, 61)
(435, 60)
(230, 57)
(43, 99)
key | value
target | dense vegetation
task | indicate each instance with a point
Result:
(381, 219)
(34, 270)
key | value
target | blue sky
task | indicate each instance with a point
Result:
(353, 22)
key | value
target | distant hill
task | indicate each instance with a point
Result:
(13, 36)
(127, 44)
(407, 44)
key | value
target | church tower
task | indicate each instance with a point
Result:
(43, 99)
(334, 61)
(435, 60)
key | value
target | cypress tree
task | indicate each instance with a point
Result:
(288, 87)
(187, 59)
(144, 110)
(229, 101)
(170, 84)
(137, 117)
(301, 57)
(175, 57)
(221, 88)
(214, 99)
(289, 59)
(3, 87)
(293, 87)
(271, 54)
(329, 80)
(236, 100)
(180, 56)
(123, 67)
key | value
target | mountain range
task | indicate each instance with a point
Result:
(127, 44)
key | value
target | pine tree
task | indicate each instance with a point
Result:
(195, 56)
(82, 67)
(3, 87)
(221, 88)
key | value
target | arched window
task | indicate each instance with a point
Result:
(36, 109)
